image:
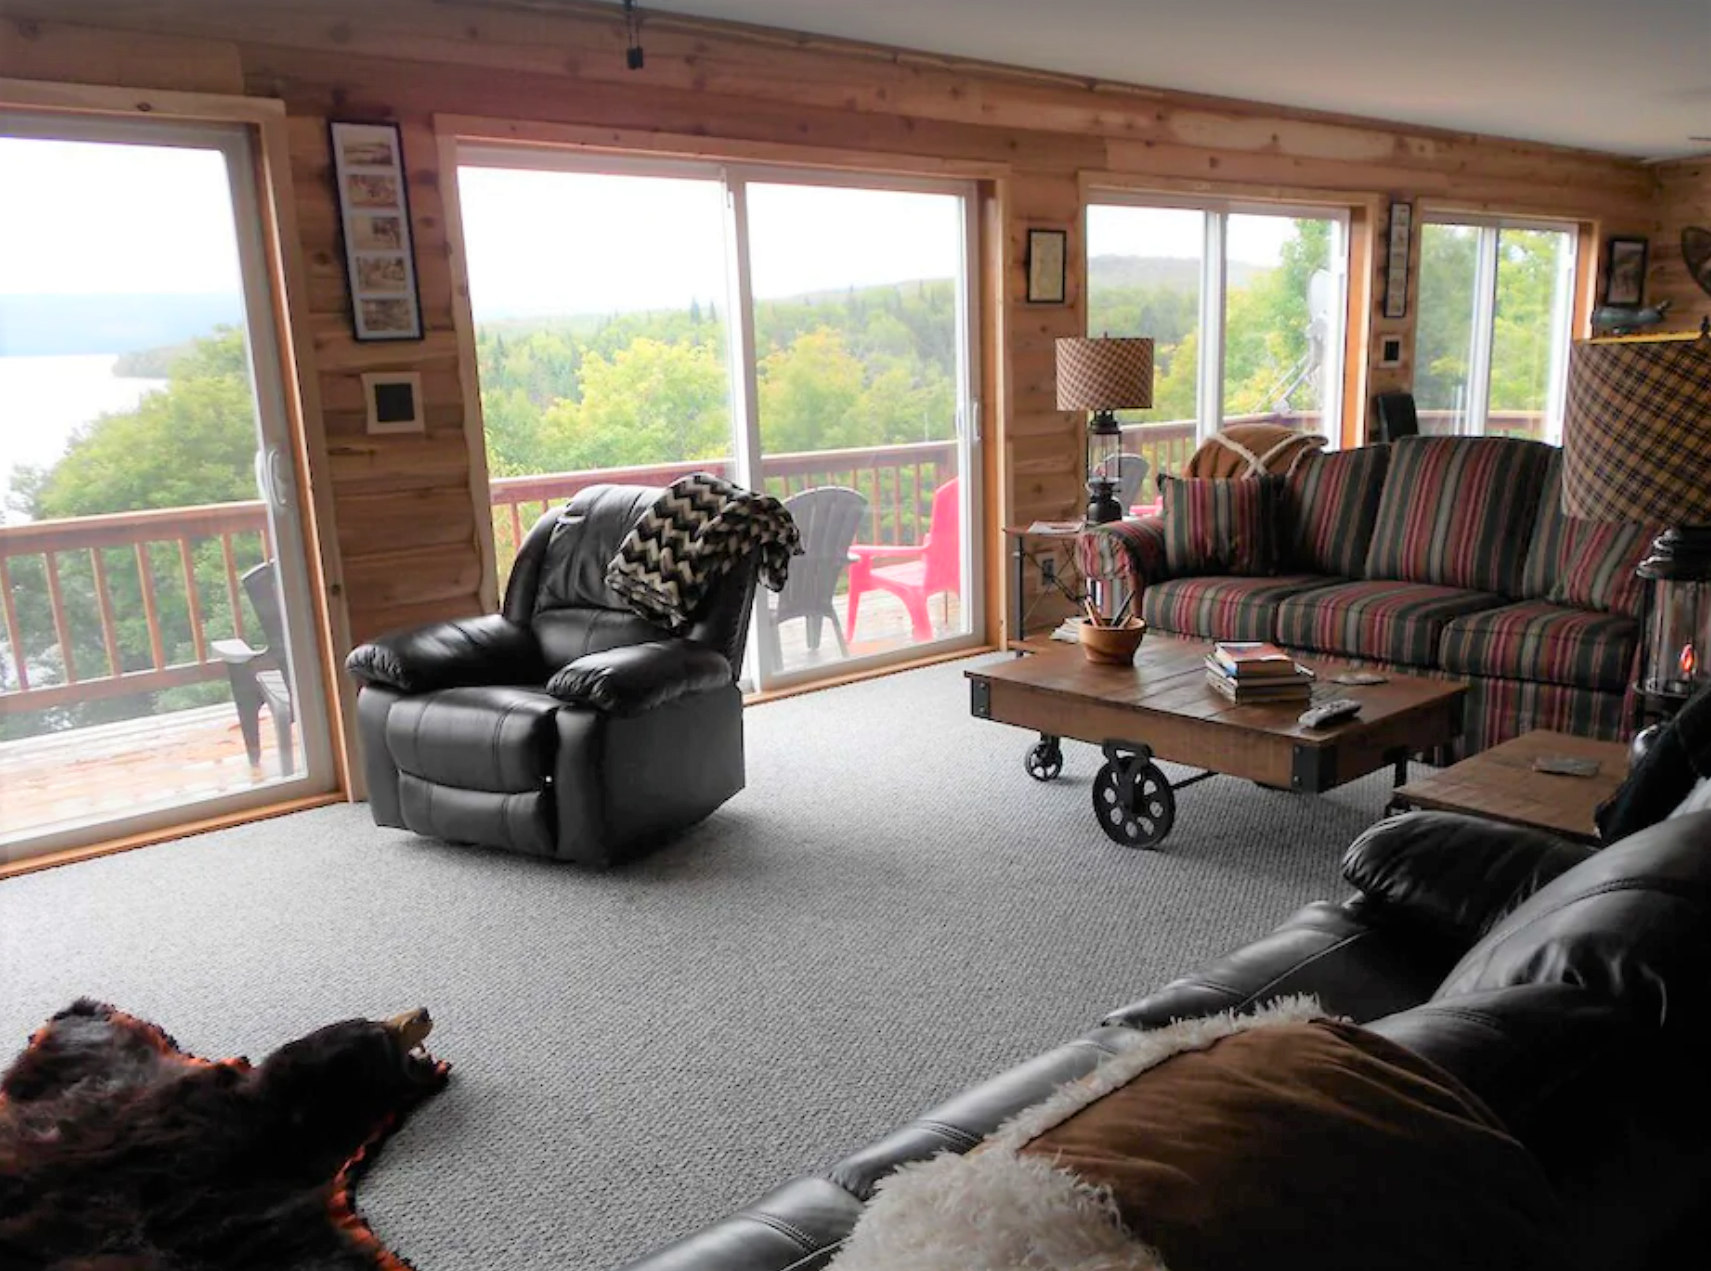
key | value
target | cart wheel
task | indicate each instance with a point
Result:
(1148, 817)
(1044, 760)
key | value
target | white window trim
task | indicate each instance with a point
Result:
(1474, 416)
(1209, 409)
(747, 456)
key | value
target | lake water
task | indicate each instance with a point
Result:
(43, 400)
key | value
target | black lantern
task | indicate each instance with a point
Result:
(1637, 448)
(1104, 376)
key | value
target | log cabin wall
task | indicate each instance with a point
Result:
(1684, 199)
(408, 508)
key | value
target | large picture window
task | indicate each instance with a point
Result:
(1491, 348)
(805, 333)
(1246, 304)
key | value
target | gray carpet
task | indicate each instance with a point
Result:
(891, 911)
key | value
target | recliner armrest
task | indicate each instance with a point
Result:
(1455, 876)
(490, 649)
(634, 678)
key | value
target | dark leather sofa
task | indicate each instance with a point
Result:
(1566, 988)
(565, 725)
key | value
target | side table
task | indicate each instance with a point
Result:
(1500, 784)
(1026, 547)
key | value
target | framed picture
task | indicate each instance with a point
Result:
(1396, 260)
(394, 401)
(1047, 250)
(374, 211)
(1625, 272)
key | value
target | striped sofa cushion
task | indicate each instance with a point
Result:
(1223, 608)
(1221, 525)
(1330, 504)
(1457, 512)
(1390, 621)
(1543, 643)
(1583, 564)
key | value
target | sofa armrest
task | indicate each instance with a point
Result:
(1452, 875)
(639, 677)
(490, 649)
(1132, 551)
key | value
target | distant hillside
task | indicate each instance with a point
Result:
(1172, 272)
(46, 326)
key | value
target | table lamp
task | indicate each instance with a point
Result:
(1637, 447)
(1104, 375)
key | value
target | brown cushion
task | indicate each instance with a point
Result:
(1311, 1144)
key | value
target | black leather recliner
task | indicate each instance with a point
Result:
(565, 725)
(1565, 988)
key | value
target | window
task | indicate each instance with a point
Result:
(800, 332)
(1492, 337)
(1269, 281)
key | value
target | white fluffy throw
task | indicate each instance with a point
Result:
(997, 1210)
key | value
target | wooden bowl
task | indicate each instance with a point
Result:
(1112, 646)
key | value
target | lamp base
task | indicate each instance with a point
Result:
(1102, 505)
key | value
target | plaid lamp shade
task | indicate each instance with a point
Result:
(1110, 373)
(1637, 431)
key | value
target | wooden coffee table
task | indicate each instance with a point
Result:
(1162, 708)
(1501, 785)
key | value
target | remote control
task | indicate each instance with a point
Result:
(1327, 713)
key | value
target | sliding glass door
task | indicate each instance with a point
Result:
(158, 663)
(803, 334)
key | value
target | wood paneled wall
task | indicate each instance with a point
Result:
(407, 506)
(1684, 199)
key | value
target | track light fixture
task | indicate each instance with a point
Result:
(633, 27)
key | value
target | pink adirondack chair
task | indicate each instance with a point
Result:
(921, 572)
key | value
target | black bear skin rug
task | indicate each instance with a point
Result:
(120, 1152)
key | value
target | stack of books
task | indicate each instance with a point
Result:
(1254, 671)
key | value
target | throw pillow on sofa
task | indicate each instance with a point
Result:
(1221, 525)
(1330, 503)
(1281, 1139)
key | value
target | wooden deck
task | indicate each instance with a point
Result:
(85, 775)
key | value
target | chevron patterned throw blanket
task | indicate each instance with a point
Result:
(694, 532)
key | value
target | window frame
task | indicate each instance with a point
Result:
(747, 456)
(1214, 282)
(1475, 419)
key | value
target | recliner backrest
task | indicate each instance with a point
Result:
(1632, 923)
(558, 583)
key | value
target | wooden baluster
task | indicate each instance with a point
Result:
(109, 627)
(232, 586)
(14, 636)
(198, 638)
(897, 502)
(517, 528)
(151, 615)
(62, 629)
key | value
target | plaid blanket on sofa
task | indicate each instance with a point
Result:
(692, 535)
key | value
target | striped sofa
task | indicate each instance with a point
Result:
(1439, 556)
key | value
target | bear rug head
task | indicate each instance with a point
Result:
(120, 1152)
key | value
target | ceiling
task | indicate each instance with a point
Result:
(1630, 78)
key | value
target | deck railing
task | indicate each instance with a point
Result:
(898, 481)
(92, 575)
(149, 591)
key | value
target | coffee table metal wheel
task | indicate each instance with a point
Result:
(1132, 801)
(1044, 760)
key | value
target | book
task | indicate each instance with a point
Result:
(1244, 694)
(1281, 673)
(1253, 658)
(1062, 529)
(1069, 631)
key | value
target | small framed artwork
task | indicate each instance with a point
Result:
(394, 401)
(1047, 253)
(374, 211)
(1396, 260)
(1625, 272)
(1389, 351)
